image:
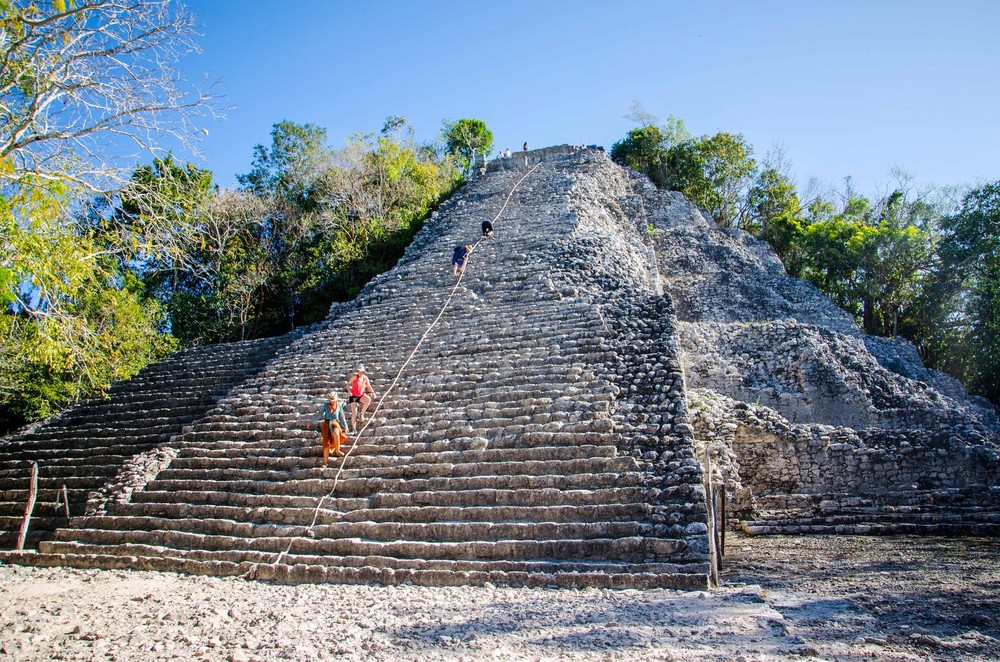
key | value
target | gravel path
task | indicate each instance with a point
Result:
(836, 598)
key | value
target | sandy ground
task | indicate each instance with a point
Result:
(841, 598)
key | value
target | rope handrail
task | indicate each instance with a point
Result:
(399, 373)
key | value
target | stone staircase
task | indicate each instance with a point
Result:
(956, 511)
(88, 446)
(538, 437)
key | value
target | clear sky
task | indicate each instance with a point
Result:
(846, 88)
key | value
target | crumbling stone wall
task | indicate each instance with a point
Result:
(790, 397)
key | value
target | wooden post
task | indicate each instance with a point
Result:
(713, 567)
(718, 532)
(65, 497)
(722, 552)
(32, 494)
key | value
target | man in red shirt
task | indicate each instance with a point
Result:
(359, 389)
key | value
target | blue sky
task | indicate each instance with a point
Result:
(846, 88)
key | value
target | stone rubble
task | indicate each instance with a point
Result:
(814, 426)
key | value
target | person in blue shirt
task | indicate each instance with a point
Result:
(332, 422)
(458, 259)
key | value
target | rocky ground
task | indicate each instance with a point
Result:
(843, 598)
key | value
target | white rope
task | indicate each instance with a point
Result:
(406, 363)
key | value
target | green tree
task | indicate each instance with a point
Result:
(71, 321)
(291, 166)
(465, 138)
(292, 177)
(310, 226)
(643, 150)
(381, 188)
(204, 252)
(965, 293)
(646, 149)
(725, 169)
(76, 74)
(868, 257)
(772, 195)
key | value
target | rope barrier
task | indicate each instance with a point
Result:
(395, 381)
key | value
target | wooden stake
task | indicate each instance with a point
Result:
(713, 553)
(32, 494)
(722, 550)
(65, 501)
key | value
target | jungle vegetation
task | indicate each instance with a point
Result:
(921, 263)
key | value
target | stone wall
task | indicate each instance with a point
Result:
(795, 403)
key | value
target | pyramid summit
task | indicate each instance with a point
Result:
(570, 412)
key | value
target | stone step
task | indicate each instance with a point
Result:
(614, 465)
(956, 528)
(540, 367)
(548, 497)
(544, 429)
(49, 483)
(55, 471)
(358, 468)
(306, 457)
(246, 501)
(39, 521)
(611, 512)
(374, 442)
(973, 495)
(296, 569)
(288, 515)
(385, 500)
(8, 538)
(75, 457)
(322, 483)
(514, 437)
(20, 494)
(108, 418)
(96, 529)
(606, 512)
(83, 438)
(237, 475)
(12, 513)
(912, 515)
(631, 549)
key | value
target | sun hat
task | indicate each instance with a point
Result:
(361, 368)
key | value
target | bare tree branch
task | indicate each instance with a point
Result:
(101, 76)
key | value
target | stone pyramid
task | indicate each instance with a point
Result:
(537, 437)
(550, 418)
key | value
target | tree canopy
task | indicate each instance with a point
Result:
(310, 225)
(81, 83)
(465, 138)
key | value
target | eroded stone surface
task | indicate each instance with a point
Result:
(801, 409)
